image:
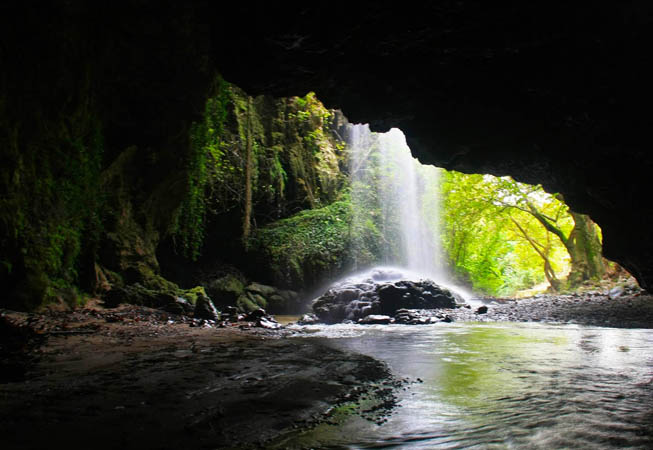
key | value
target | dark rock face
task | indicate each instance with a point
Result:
(204, 309)
(380, 299)
(550, 94)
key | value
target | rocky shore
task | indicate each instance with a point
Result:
(592, 309)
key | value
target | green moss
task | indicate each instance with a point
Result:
(192, 294)
(250, 302)
(51, 209)
(306, 246)
(207, 159)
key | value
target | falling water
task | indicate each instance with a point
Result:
(419, 235)
(386, 176)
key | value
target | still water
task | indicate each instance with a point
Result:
(501, 386)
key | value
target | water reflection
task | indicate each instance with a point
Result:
(504, 386)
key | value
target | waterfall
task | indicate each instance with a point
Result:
(395, 198)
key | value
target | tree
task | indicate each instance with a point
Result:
(249, 162)
(582, 242)
(503, 234)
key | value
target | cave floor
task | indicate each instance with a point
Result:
(132, 378)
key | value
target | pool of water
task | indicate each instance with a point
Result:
(501, 385)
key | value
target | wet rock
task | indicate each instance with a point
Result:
(226, 289)
(257, 295)
(308, 319)
(268, 322)
(262, 289)
(284, 302)
(204, 309)
(251, 301)
(176, 305)
(375, 319)
(616, 292)
(231, 312)
(354, 301)
(134, 294)
(481, 310)
(256, 315)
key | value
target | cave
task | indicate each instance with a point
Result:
(547, 93)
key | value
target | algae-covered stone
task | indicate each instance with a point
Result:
(134, 294)
(245, 304)
(261, 289)
(225, 290)
(250, 301)
(192, 294)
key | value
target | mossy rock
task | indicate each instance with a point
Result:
(134, 294)
(277, 304)
(205, 309)
(225, 290)
(249, 302)
(284, 302)
(261, 289)
(192, 294)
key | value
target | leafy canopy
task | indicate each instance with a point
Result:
(490, 236)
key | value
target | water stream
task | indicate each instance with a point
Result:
(502, 386)
(492, 385)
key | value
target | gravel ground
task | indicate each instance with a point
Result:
(632, 311)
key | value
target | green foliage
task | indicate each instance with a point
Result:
(50, 212)
(482, 216)
(307, 245)
(207, 158)
(294, 154)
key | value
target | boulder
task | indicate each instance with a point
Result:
(225, 290)
(272, 299)
(308, 319)
(261, 289)
(204, 309)
(616, 292)
(134, 294)
(178, 306)
(375, 319)
(268, 322)
(256, 315)
(481, 310)
(251, 301)
(356, 300)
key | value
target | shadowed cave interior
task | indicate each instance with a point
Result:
(101, 109)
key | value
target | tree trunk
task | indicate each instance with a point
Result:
(543, 251)
(247, 219)
(586, 259)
